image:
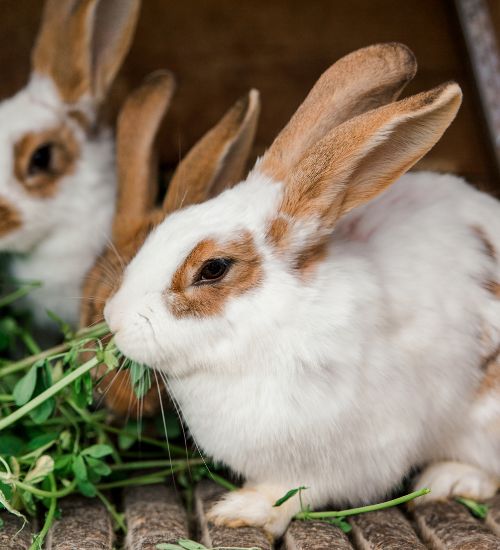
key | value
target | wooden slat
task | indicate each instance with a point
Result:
(206, 494)
(154, 514)
(315, 535)
(493, 517)
(84, 525)
(387, 529)
(13, 536)
(449, 526)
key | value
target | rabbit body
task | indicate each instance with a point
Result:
(320, 328)
(345, 382)
(59, 240)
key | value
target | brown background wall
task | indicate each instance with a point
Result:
(220, 48)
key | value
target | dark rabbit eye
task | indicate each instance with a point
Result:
(213, 270)
(41, 159)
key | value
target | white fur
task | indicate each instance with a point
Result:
(342, 382)
(60, 236)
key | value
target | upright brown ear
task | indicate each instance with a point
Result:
(360, 81)
(218, 160)
(356, 161)
(82, 43)
(138, 124)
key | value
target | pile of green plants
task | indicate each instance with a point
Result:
(54, 438)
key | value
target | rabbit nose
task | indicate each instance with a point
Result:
(111, 317)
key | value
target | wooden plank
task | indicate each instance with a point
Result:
(450, 526)
(206, 494)
(480, 38)
(387, 530)
(493, 517)
(154, 514)
(315, 535)
(84, 525)
(13, 536)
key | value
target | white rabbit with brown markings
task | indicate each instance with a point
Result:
(57, 177)
(321, 328)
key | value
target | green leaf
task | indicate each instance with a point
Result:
(25, 387)
(98, 466)
(79, 468)
(288, 496)
(41, 441)
(10, 445)
(41, 413)
(140, 377)
(341, 523)
(6, 504)
(168, 546)
(86, 488)
(98, 451)
(477, 509)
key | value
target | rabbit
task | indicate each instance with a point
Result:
(330, 322)
(57, 183)
(217, 161)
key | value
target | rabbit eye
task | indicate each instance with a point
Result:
(41, 159)
(213, 270)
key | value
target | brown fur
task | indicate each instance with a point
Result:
(354, 162)
(10, 218)
(360, 81)
(221, 153)
(82, 43)
(491, 380)
(187, 300)
(488, 246)
(65, 152)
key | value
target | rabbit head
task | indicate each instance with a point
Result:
(217, 161)
(226, 274)
(57, 182)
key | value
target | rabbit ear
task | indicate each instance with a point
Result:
(360, 81)
(218, 160)
(82, 43)
(355, 162)
(138, 124)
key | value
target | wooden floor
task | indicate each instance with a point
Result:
(154, 514)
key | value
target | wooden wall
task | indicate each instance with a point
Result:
(220, 48)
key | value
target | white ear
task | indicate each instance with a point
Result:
(357, 160)
(82, 43)
(360, 81)
(219, 159)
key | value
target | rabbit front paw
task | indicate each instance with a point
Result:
(451, 479)
(253, 507)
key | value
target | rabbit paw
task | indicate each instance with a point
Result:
(252, 507)
(450, 479)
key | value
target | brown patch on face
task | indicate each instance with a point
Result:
(81, 119)
(493, 287)
(186, 299)
(310, 258)
(42, 159)
(487, 244)
(10, 218)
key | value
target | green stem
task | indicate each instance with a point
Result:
(6, 398)
(156, 464)
(222, 482)
(156, 477)
(362, 509)
(112, 511)
(49, 518)
(19, 293)
(98, 331)
(49, 392)
(45, 494)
